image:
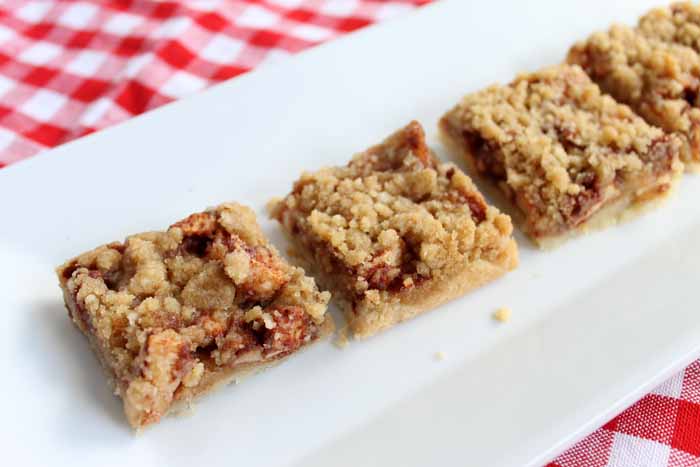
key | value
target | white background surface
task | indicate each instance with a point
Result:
(595, 323)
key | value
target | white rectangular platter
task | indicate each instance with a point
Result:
(596, 323)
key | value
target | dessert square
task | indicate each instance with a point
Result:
(659, 80)
(395, 233)
(568, 157)
(173, 314)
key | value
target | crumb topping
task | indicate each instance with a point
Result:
(679, 23)
(392, 218)
(557, 146)
(163, 306)
(660, 80)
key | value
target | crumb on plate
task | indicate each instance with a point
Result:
(503, 314)
(341, 340)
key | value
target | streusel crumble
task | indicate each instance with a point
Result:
(659, 80)
(395, 232)
(569, 157)
(679, 23)
(172, 314)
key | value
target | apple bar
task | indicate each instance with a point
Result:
(659, 79)
(174, 314)
(395, 232)
(566, 157)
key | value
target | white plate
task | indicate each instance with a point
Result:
(595, 323)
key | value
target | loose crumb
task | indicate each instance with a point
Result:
(503, 314)
(187, 410)
(341, 341)
(272, 202)
(440, 355)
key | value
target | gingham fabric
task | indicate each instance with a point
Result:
(68, 68)
(662, 429)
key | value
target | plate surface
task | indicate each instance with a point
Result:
(596, 323)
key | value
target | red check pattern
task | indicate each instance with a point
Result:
(68, 68)
(662, 429)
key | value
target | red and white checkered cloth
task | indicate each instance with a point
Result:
(662, 429)
(68, 68)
